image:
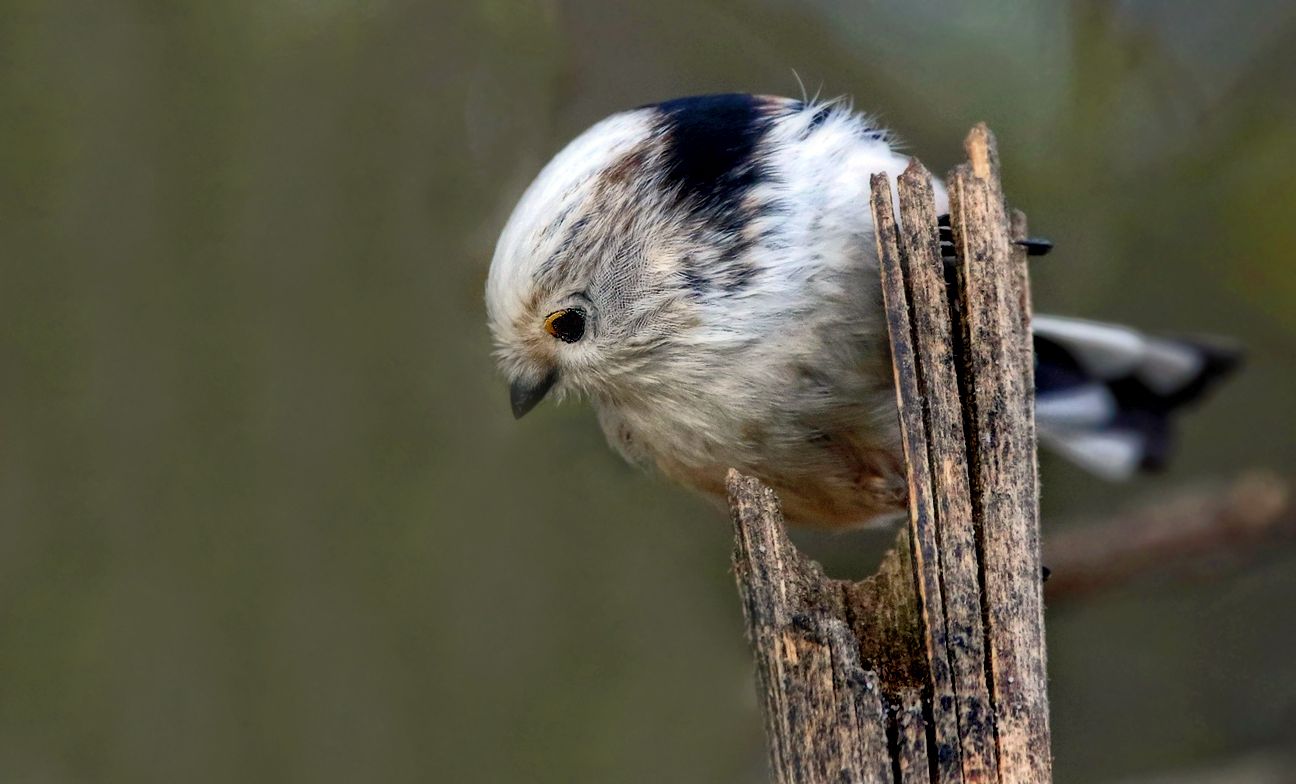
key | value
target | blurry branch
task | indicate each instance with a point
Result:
(1196, 531)
(1261, 768)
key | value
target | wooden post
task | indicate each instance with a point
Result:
(932, 670)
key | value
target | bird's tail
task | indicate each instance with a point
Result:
(1106, 394)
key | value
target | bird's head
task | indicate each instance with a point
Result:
(601, 267)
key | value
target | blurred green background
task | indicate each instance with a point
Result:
(264, 514)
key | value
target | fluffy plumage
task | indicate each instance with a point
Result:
(720, 255)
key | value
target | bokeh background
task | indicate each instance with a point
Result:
(264, 514)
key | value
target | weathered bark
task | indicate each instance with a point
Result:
(932, 669)
(824, 712)
(1005, 494)
(1195, 532)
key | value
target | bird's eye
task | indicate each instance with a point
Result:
(567, 325)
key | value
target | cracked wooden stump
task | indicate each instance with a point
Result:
(933, 669)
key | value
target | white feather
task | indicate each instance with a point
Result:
(1111, 454)
(1168, 367)
(1104, 350)
(1090, 405)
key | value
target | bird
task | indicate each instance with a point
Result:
(703, 271)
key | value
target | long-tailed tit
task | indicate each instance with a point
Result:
(704, 271)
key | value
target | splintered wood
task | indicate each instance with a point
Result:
(932, 670)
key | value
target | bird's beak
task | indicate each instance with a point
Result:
(525, 394)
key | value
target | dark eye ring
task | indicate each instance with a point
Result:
(568, 325)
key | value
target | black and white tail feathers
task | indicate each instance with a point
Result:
(1106, 394)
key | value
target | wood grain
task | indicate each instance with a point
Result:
(1005, 495)
(947, 455)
